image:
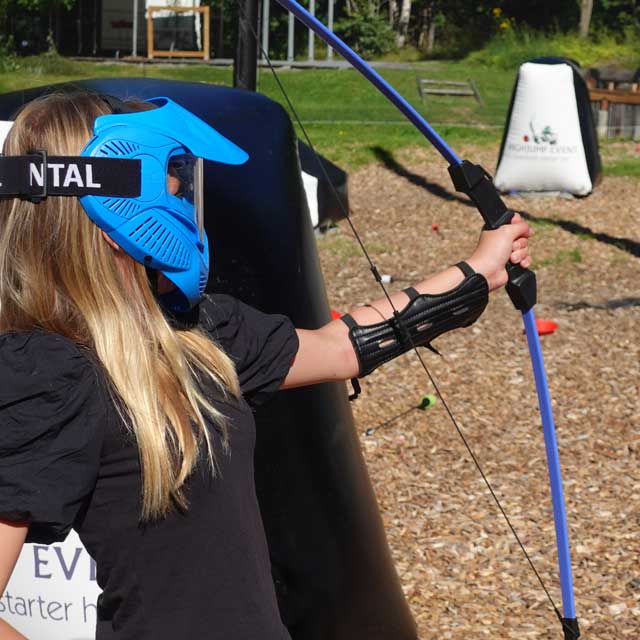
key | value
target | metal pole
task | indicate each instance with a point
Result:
(312, 11)
(290, 37)
(246, 61)
(265, 28)
(79, 28)
(219, 51)
(134, 35)
(330, 25)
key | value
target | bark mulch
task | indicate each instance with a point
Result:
(461, 570)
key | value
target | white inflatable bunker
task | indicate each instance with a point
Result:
(549, 143)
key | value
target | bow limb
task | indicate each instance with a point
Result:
(477, 184)
(569, 620)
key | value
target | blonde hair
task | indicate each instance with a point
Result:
(59, 275)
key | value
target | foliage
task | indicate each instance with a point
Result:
(617, 14)
(462, 26)
(509, 50)
(8, 61)
(44, 5)
(368, 33)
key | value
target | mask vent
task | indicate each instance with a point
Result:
(158, 242)
(202, 283)
(119, 148)
(123, 207)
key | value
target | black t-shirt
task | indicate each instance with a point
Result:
(66, 461)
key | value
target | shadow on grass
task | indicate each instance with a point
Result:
(387, 159)
(625, 244)
(619, 303)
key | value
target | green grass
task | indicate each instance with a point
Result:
(622, 168)
(23, 73)
(345, 247)
(512, 48)
(541, 224)
(343, 113)
(564, 256)
(620, 158)
(346, 118)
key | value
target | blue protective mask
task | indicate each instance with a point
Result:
(163, 227)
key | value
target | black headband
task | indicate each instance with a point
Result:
(115, 104)
(36, 176)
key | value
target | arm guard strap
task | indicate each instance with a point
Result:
(425, 317)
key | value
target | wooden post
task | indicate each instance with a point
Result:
(606, 116)
(206, 23)
(476, 93)
(206, 40)
(603, 119)
(150, 34)
(134, 35)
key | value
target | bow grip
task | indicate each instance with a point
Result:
(476, 183)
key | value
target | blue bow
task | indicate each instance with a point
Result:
(475, 182)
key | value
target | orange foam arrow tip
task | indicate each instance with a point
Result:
(335, 314)
(545, 326)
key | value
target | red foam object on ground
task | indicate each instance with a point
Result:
(545, 326)
(335, 314)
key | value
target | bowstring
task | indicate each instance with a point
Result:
(406, 334)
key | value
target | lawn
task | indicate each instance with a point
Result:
(345, 117)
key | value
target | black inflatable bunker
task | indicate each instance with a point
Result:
(331, 565)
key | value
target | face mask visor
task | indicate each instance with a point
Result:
(185, 173)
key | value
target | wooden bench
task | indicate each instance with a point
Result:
(427, 86)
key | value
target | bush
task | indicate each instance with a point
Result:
(8, 60)
(367, 33)
(510, 49)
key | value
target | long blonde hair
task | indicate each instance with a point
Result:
(58, 274)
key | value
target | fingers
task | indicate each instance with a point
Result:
(526, 262)
(519, 256)
(521, 230)
(516, 217)
(520, 249)
(520, 252)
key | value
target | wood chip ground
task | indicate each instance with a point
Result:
(461, 570)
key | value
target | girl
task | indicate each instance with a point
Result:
(125, 394)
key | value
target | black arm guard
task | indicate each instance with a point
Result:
(421, 321)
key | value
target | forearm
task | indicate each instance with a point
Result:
(7, 632)
(339, 352)
(328, 353)
(380, 309)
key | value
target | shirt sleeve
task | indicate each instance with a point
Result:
(262, 346)
(50, 442)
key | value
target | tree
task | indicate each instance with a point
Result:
(586, 9)
(403, 23)
(393, 14)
